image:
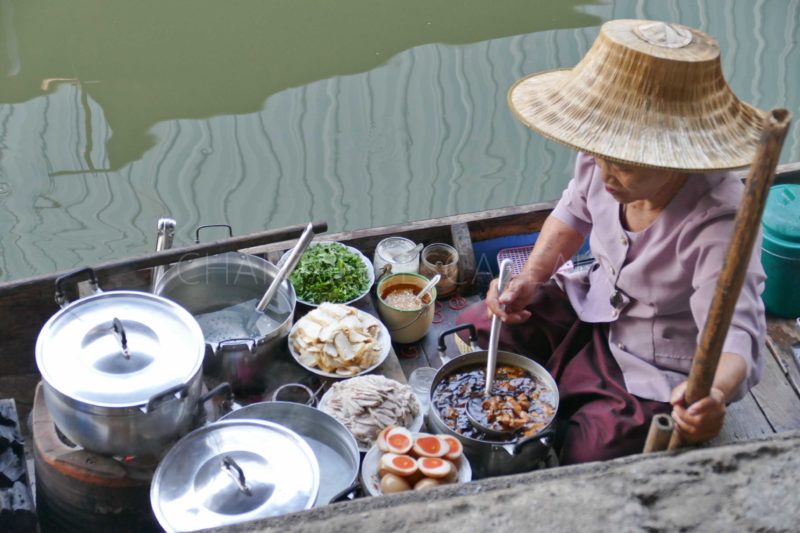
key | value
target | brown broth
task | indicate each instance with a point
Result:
(451, 395)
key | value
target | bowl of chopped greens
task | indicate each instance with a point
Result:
(331, 272)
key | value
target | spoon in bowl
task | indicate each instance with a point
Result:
(475, 411)
(434, 280)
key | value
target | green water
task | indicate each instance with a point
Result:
(265, 113)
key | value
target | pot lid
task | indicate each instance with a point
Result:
(119, 348)
(233, 471)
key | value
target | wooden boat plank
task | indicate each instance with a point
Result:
(783, 340)
(482, 225)
(462, 242)
(776, 397)
(743, 420)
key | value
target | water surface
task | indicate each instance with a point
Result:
(263, 113)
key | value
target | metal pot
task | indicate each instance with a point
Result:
(233, 471)
(492, 458)
(121, 370)
(334, 446)
(209, 284)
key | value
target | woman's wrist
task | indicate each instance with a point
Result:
(731, 372)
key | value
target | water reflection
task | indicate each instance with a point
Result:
(115, 142)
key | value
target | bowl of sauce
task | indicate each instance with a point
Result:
(407, 317)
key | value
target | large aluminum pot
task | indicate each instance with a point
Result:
(334, 446)
(208, 284)
(121, 370)
(487, 457)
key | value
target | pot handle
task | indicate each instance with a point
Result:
(231, 344)
(118, 330)
(222, 388)
(178, 391)
(204, 226)
(473, 339)
(545, 438)
(60, 295)
(344, 495)
(232, 468)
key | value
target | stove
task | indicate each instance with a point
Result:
(79, 491)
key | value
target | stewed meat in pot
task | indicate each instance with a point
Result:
(519, 401)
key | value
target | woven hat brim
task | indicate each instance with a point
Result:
(693, 142)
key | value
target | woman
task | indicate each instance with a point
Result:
(657, 126)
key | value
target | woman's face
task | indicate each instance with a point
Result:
(629, 183)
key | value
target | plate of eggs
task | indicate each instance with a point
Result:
(401, 461)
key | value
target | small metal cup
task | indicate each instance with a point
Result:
(295, 393)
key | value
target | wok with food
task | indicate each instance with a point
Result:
(524, 395)
(519, 401)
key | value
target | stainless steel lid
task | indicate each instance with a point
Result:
(233, 471)
(333, 445)
(119, 348)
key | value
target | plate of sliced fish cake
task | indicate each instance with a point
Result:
(339, 341)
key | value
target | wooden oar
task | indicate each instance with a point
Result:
(737, 257)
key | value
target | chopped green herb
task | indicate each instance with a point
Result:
(329, 272)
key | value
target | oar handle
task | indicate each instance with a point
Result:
(494, 334)
(737, 257)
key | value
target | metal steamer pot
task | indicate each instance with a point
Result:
(490, 458)
(121, 370)
(212, 283)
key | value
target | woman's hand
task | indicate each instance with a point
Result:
(510, 306)
(701, 421)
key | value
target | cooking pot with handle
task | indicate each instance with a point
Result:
(490, 457)
(121, 370)
(216, 291)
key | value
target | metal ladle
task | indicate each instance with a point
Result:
(284, 272)
(475, 412)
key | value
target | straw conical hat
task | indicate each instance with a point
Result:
(647, 93)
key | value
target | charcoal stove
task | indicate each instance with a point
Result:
(79, 491)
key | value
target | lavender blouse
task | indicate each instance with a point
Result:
(654, 287)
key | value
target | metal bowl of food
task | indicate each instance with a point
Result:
(463, 378)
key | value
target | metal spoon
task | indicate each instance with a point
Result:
(284, 272)
(475, 411)
(434, 280)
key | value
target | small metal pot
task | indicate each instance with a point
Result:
(334, 446)
(208, 284)
(121, 370)
(491, 458)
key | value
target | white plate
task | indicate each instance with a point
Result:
(414, 426)
(367, 264)
(383, 340)
(372, 482)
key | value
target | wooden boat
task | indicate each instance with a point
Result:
(771, 407)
